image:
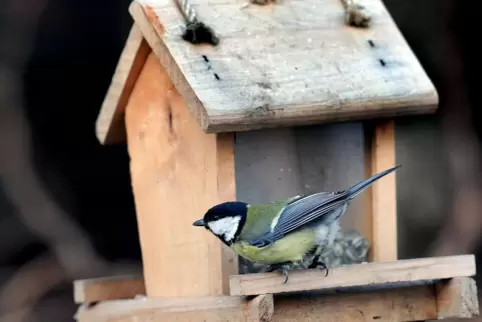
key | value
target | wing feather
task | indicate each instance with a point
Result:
(304, 210)
(299, 213)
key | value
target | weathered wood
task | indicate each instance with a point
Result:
(397, 304)
(380, 220)
(177, 173)
(382, 305)
(110, 126)
(453, 298)
(289, 64)
(108, 288)
(212, 309)
(401, 271)
(457, 297)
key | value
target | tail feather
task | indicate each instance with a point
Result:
(353, 191)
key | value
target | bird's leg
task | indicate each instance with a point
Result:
(316, 261)
(280, 267)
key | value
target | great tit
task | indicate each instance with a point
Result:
(281, 233)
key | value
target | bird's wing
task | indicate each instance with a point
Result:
(304, 210)
(259, 219)
(298, 213)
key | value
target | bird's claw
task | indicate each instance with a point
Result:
(323, 266)
(286, 275)
(316, 261)
(280, 268)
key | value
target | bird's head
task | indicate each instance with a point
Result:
(225, 220)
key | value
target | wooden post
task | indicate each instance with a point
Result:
(178, 172)
(380, 220)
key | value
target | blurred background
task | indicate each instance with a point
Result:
(66, 206)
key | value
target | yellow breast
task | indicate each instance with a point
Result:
(291, 248)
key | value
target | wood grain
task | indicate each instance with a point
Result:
(384, 194)
(374, 273)
(408, 303)
(453, 298)
(416, 303)
(288, 64)
(108, 288)
(381, 199)
(212, 309)
(110, 125)
(457, 297)
(177, 173)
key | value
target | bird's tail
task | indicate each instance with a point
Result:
(353, 191)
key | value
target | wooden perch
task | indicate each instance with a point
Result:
(453, 298)
(401, 271)
(409, 303)
(212, 309)
(108, 288)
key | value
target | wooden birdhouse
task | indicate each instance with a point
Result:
(263, 104)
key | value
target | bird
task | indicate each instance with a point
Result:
(280, 233)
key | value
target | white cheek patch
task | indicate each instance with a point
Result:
(226, 227)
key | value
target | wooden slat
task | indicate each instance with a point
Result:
(110, 126)
(457, 297)
(401, 271)
(413, 303)
(288, 64)
(454, 298)
(212, 309)
(177, 173)
(380, 220)
(108, 288)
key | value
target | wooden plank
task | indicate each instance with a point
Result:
(400, 303)
(223, 308)
(401, 271)
(409, 303)
(288, 64)
(110, 126)
(177, 173)
(380, 221)
(457, 297)
(108, 288)
(415, 303)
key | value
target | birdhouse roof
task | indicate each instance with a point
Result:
(283, 64)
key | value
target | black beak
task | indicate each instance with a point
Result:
(199, 223)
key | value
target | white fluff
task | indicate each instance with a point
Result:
(225, 227)
(325, 234)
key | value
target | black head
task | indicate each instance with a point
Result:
(225, 220)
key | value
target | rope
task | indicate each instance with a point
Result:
(356, 14)
(188, 11)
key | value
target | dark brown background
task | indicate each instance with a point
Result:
(56, 62)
